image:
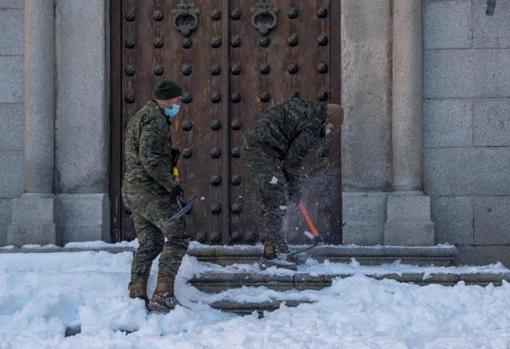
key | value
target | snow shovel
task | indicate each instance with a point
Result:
(184, 208)
(313, 234)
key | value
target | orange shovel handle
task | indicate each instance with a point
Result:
(308, 220)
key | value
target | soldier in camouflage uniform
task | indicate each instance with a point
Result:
(150, 191)
(273, 149)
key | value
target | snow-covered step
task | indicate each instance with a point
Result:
(213, 282)
(439, 255)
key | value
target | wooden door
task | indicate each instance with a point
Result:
(234, 60)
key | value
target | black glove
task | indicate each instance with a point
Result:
(176, 191)
(175, 156)
(294, 195)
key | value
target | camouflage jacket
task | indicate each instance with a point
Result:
(147, 151)
(287, 132)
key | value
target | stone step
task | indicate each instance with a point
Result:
(214, 282)
(441, 255)
(259, 307)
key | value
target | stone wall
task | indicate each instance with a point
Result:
(467, 126)
(11, 108)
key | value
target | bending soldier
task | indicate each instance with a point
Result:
(273, 149)
(150, 191)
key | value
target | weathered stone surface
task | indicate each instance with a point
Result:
(5, 219)
(407, 94)
(447, 24)
(39, 96)
(11, 79)
(492, 220)
(11, 27)
(491, 32)
(467, 73)
(467, 171)
(408, 220)
(481, 255)
(33, 220)
(11, 126)
(11, 168)
(453, 219)
(83, 217)
(447, 123)
(363, 216)
(491, 123)
(82, 157)
(11, 4)
(366, 86)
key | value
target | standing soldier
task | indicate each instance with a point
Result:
(274, 148)
(150, 191)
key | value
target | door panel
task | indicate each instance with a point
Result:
(234, 59)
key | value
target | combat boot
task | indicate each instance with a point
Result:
(139, 290)
(163, 299)
(275, 255)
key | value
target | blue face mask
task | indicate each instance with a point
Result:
(172, 111)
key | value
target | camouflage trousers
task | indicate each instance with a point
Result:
(271, 182)
(150, 214)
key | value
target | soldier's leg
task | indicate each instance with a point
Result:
(158, 212)
(151, 241)
(176, 246)
(270, 181)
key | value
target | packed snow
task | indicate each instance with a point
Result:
(42, 294)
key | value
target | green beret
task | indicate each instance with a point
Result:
(167, 89)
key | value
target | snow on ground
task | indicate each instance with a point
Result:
(42, 294)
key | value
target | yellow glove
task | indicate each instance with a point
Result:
(175, 172)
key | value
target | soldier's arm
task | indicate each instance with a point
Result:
(293, 159)
(155, 152)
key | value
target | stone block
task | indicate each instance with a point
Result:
(408, 220)
(447, 24)
(82, 54)
(447, 122)
(362, 233)
(5, 219)
(483, 255)
(363, 216)
(491, 32)
(491, 122)
(83, 217)
(11, 4)
(366, 94)
(11, 27)
(11, 168)
(492, 220)
(453, 220)
(11, 79)
(33, 220)
(11, 126)
(467, 171)
(466, 73)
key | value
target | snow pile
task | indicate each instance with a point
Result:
(42, 294)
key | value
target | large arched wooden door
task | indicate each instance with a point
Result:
(234, 60)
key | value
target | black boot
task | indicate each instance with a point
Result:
(275, 255)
